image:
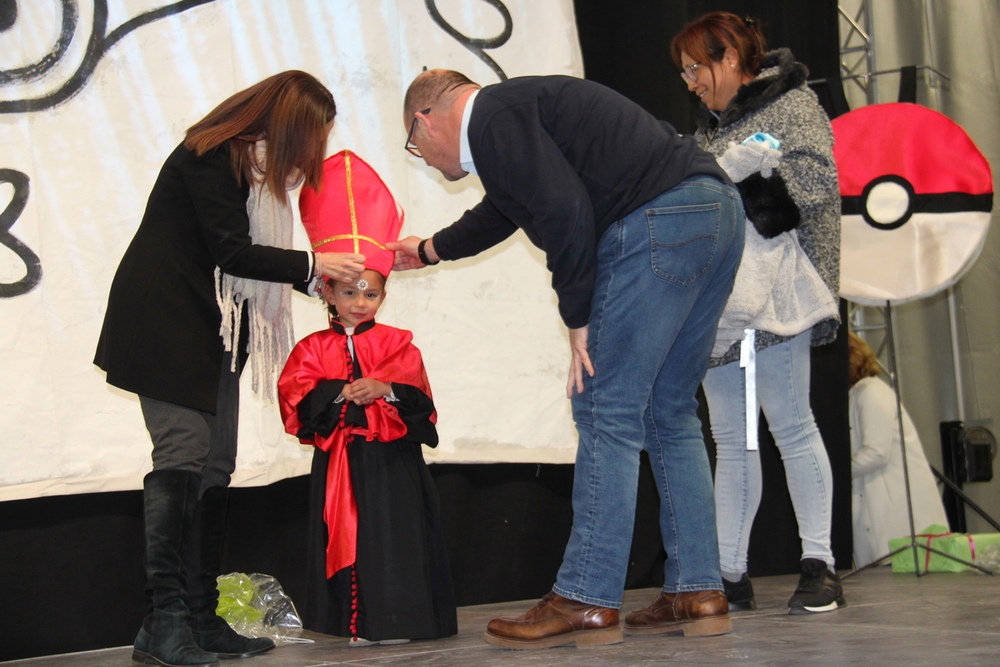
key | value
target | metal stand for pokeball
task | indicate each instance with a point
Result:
(914, 545)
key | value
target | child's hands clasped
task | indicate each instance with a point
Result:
(365, 390)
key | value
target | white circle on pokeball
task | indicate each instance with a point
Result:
(887, 202)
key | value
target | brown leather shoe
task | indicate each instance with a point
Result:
(695, 613)
(556, 621)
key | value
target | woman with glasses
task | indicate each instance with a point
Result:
(768, 131)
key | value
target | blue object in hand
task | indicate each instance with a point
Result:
(762, 138)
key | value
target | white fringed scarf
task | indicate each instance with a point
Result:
(270, 304)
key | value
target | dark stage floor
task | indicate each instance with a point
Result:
(890, 619)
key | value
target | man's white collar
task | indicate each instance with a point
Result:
(464, 152)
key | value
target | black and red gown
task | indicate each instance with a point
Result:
(377, 562)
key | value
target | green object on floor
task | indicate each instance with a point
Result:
(960, 545)
(236, 593)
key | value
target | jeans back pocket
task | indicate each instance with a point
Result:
(683, 240)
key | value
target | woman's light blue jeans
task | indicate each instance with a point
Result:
(783, 394)
(664, 273)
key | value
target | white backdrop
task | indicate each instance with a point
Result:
(90, 108)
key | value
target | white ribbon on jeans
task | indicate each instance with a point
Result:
(748, 362)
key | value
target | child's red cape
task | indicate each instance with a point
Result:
(383, 353)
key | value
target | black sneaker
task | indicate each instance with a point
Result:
(819, 589)
(740, 594)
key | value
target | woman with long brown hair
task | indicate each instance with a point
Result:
(203, 287)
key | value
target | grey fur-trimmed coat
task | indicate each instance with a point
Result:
(802, 193)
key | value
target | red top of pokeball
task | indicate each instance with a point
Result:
(924, 147)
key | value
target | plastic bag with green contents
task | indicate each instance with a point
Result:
(255, 606)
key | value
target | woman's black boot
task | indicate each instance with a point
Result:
(211, 632)
(169, 501)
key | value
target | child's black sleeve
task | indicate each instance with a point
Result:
(317, 410)
(415, 409)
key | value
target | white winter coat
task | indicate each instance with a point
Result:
(879, 495)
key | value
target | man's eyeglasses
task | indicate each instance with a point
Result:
(690, 73)
(410, 146)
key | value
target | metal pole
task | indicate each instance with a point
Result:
(870, 53)
(902, 438)
(956, 356)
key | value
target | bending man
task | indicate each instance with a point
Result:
(643, 233)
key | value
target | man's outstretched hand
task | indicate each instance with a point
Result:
(406, 253)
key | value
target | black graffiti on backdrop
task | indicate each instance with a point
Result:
(7, 218)
(97, 45)
(8, 13)
(35, 70)
(476, 45)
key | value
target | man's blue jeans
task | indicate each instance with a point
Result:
(664, 273)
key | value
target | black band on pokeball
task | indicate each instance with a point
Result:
(936, 202)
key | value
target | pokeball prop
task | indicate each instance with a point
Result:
(916, 196)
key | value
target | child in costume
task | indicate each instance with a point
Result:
(378, 569)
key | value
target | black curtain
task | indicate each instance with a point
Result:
(626, 45)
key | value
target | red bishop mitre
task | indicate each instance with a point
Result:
(352, 212)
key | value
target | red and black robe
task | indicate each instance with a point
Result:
(375, 541)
